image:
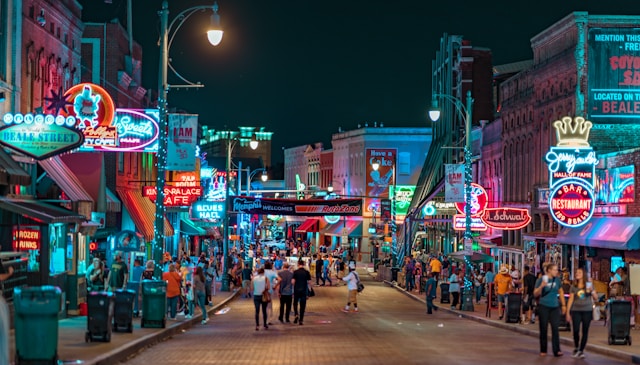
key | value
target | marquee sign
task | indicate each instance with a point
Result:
(26, 238)
(308, 207)
(174, 196)
(572, 173)
(39, 135)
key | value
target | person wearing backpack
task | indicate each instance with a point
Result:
(352, 280)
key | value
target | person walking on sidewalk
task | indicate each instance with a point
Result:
(272, 276)
(174, 281)
(351, 279)
(454, 288)
(284, 288)
(551, 306)
(319, 270)
(430, 289)
(503, 285)
(260, 284)
(119, 274)
(529, 283)
(301, 283)
(436, 267)
(580, 310)
(199, 294)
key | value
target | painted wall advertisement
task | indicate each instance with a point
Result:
(378, 181)
(453, 183)
(614, 75)
(181, 145)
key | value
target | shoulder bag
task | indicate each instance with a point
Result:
(266, 297)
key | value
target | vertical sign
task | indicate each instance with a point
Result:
(453, 183)
(378, 181)
(181, 145)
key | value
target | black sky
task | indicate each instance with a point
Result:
(304, 68)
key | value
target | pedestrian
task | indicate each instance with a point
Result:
(174, 281)
(352, 279)
(147, 274)
(199, 293)
(95, 276)
(271, 275)
(436, 267)
(326, 270)
(478, 283)
(580, 310)
(430, 289)
(301, 283)
(503, 285)
(319, 267)
(260, 284)
(409, 274)
(246, 281)
(284, 288)
(529, 283)
(454, 287)
(118, 275)
(551, 305)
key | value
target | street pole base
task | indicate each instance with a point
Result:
(226, 284)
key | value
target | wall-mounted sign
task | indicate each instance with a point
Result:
(479, 200)
(309, 207)
(205, 210)
(615, 185)
(91, 105)
(459, 223)
(615, 209)
(572, 173)
(174, 196)
(39, 136)
(26, 238)
(331, 219)
(542, 195)
(403, 194)
(131, 130)
(378, 181)
(128, 241)
(614, 76)
(572, 203)
(506, 218)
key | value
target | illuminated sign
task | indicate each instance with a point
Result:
(378, 181)
(479, 200)
(174, 196)
(331, 219)
(207, 210)
(615, 185)
(39, 136)
(403, 194)
(131, 130)
(92, 107)
(26, 238)
(571, 203)
(572, 172)
(613, 81)
(616, 209)
(459, 223)
(506, 218)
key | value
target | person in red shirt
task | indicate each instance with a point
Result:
(173, 280)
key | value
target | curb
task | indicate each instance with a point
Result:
(633, 359)
(124, 352)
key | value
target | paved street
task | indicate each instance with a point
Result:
(390, 328)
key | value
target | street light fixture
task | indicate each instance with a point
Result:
(163, 89)
(465, 113)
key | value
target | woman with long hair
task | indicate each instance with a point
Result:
(581, 299)
(551, 304)
(199, 293)
(174, 281)
(260, 284)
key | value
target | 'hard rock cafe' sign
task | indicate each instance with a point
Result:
(572, 166)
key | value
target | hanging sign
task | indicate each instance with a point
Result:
(182, 140)
(453, 183)
(204, 210)
(506, 218)
(572, 203)
(174, 196)
(479, 200)
(26, 238)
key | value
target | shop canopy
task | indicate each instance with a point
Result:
(40, 211)
(189, 228)
(352, 228)
(618, 233)
(11, 172)
(310, 225)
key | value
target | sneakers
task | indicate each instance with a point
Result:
(575, 353)
(204, 321)
(188, 316)
(356, 310)
(295, 320)
(580, 355)
(346, 310)
(180, 313)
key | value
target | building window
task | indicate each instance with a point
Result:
(404, 163)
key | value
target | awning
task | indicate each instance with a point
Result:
(40, 211)
(113, 203)
(310, 225)
(549, 237)
(618, 233)
(11, 172)
(187, 227)
(65, 178)
(143, 213)
(353, 229)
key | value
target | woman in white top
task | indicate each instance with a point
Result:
(259, 283)
(454, 288)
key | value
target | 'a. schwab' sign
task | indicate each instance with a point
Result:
(572, 173)
(506, 218)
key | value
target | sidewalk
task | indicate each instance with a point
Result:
(72, 348)
(597, 343)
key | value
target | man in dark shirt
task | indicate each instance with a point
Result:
(301, 282)
(118, 275)
(319, 267)
(529, 283)
(284, 288)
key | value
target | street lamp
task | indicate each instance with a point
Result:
(465, 113)
(214, 36)
(232, 140)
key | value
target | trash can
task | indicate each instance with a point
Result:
(619, 322)
(36, 324)
(154, 304)
(123, 311)
(100, 307)
(394, 274)
(444, 293)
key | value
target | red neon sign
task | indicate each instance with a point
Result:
(25, 239)
(174, 196)
(506, 218)
(572, 203)
(479, 200)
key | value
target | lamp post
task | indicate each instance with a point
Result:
(465, 113)
(214, 36)
(232, 139)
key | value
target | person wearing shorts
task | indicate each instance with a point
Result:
(503, 284)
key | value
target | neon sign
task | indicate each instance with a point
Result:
(479, 200)
(506, 218)
(39, 135)
(572, 203)
(207, 210)
(91, 105)
(174, 196)
(132, 130)
(26, 238)
(403, 194)
(460, 223)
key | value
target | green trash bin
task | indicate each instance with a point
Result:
(154, 304)
(36, 324)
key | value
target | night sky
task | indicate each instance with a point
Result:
(304, 68)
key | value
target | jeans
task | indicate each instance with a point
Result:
(207, 288)
(202, 297)
(172, 304)
(456, 298)
(257, 302)
(319, 277)
(326, 277)
(285, 307)
(578, 317)
(302, 299)
(430, 305)
(409, 282)
(548, 315)
(478, 290)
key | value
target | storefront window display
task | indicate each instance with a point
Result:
(58, 247)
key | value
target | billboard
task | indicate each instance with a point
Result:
(614, 75)
(378, 181)
(308, 207)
